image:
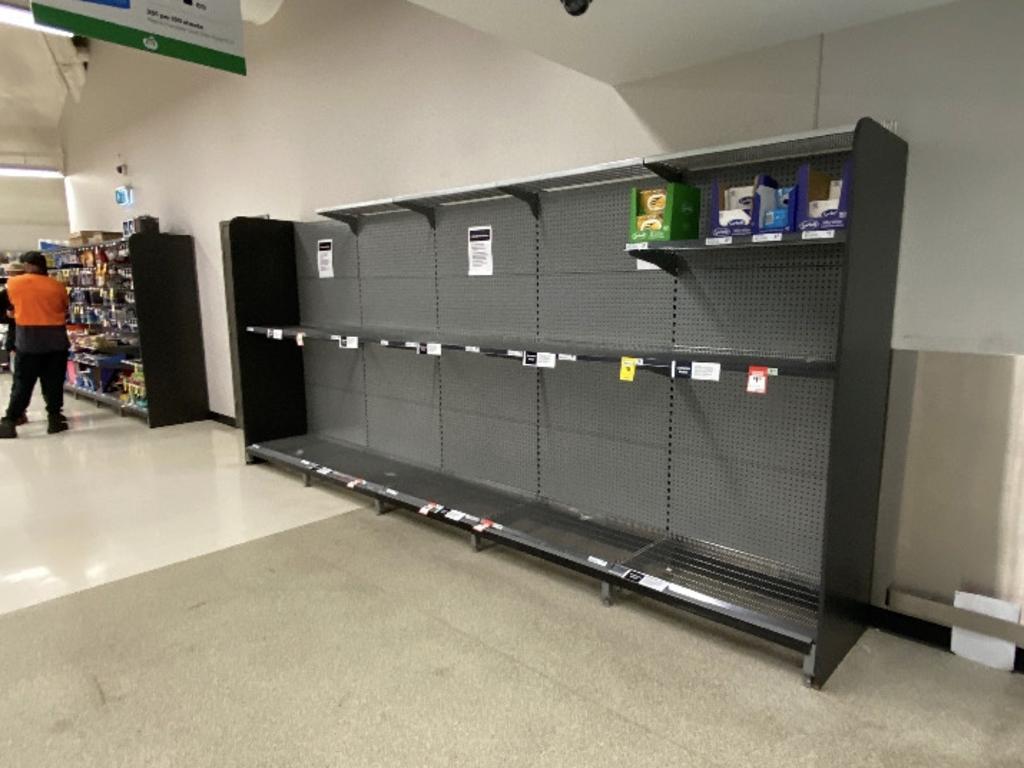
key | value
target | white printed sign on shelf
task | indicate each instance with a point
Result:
(643, 265)
(325, 258)
(481, 251)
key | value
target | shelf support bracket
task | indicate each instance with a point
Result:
(665, 171)
(528, 196)
(423, 210)
(355, 223)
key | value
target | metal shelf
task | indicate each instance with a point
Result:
(671, 255)
(724, 586)
(110, 401)
(675, 363)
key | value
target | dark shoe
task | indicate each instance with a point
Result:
(7, 430)
(21, 421)
(56, 424)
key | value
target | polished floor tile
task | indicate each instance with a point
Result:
(112, 498)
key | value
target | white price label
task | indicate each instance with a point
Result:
(706, 371)
(515, 353)
(385, 343)
(637, 246)
(597, 561)
(277, 334)
(434, 349)
(718, 241)
(767, 237)
(454, 514)
(653, 582)
(567, 357)
(473, 349)
(250, 329)
(324, 471)
(819, 234)
(390, 491)
(300, 339)
(412, 345)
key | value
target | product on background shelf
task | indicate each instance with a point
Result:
(670, 212)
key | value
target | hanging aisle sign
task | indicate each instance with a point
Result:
(207, 32)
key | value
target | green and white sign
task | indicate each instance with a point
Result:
(206, 32)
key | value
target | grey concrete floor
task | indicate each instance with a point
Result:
(386, 641)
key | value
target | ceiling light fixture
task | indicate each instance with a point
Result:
(23, 172)
(22, 17)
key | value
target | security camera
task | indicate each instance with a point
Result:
(576, 7)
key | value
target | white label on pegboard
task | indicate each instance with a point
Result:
(706, 371)
(643, 265)
(481, 251)
(325, 258)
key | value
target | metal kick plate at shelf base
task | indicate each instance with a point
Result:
(597, 548)
(672, 363)
(108, 400)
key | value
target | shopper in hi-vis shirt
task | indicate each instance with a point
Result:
(40, 311)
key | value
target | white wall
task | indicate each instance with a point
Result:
(31, 209)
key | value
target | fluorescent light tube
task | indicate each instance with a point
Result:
(22, 17)
(22, 172)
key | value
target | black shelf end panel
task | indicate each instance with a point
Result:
(170, 327)
(671, 255)
(861, 394)
(704, 580)
(262, 274)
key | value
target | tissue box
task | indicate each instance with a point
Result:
(733, 216)
(671, 212)
(818, 206)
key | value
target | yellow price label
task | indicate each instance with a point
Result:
(627, 368)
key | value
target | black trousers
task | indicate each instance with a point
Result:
(49, 369)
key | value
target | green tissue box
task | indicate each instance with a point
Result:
(668, 212)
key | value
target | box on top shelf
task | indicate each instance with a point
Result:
(668, 212)
(824, 201)
(90, 236)
(763, 206)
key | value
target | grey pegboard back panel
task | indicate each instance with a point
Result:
(335, 402)
(604, 443)
(490, 420)
(399, 302)
(329, 303)
(782, 303)
(326, 302)
(399, 245)
(590, 291)
(749, 471)
(308, 234)
(403, 403)
(488, 306)
(514, 237)
(624, 311)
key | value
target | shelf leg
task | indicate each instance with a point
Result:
(808, 670)
(380, 507)
(307, 481)
(607, 593)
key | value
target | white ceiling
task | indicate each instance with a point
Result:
(620, 41)
(32, 94)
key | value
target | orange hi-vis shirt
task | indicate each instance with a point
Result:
(38, 300)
